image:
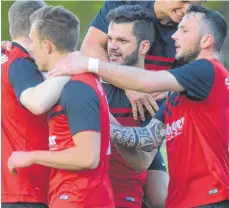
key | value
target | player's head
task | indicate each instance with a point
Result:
(175, 10)
(202, 31)
(130, 34)
(18, 16)
(54, 33)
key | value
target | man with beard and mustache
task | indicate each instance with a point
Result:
(128, 45)
(161, 56)
(195, 114)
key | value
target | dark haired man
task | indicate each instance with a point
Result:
(195, 113)
(128, 45)
(161, 56)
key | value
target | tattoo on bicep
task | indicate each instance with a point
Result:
(143, 138)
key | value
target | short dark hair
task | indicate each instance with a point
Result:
(215, 23)
(18, 17)
(143, 28)
(58, 25)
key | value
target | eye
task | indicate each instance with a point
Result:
(123, 41)
(186, 2)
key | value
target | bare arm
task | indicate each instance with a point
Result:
(120, 75)
(41, 98)
(86, 143)
(95, 44)
(136, 159)
(144, 81)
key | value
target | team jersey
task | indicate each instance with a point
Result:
(82, 107)
(197, 136)
(21, 130)
(162, 52)
(126, 183)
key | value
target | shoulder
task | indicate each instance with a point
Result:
(76, 90)
(23, 63)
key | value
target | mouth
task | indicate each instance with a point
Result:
(177, 47)
(114, 57)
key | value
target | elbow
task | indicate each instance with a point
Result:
(92, 162)
(33, 105)
(36, 108)
(141, 167)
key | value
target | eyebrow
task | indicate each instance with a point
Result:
(181, 26)
(119, 38)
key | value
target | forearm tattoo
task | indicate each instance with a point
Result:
(142, 138)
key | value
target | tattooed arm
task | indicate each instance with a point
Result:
(138, 159)
(142, 138)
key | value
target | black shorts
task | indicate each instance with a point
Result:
(222, 204)
(158, 163)
(23, 205)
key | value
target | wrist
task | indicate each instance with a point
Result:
(32, 155)
(93, 65)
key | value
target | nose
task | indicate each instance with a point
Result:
(112, 44)
(174, 36)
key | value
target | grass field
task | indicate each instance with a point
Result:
(164, 154)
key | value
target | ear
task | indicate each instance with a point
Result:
(144, 47)
(207, 41)
(48, 46)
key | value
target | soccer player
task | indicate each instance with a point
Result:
(161, 56)
(196, 111)
(130, 36)
(78, 124)
(22, 130)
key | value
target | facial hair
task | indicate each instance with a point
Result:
(132, 59)
(190, 56)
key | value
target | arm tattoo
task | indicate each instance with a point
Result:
(142, 138)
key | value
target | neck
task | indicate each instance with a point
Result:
(23, 41)
(141, 63)
(54, 59)
(160, 13)
(208, 55)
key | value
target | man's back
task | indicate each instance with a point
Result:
(21, 131)
(81, 103)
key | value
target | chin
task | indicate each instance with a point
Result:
(176, 19)
(116, 62)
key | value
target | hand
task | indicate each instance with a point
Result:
(138, 100)
(73, 63)
(19, 160)
(159, 95)
(6, 45)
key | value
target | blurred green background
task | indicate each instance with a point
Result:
(86, 11)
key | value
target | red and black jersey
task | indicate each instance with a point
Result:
(197, 135)
(82, 107)
(21, 130)
(127, 184)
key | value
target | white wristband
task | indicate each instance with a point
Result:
(93, 65)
